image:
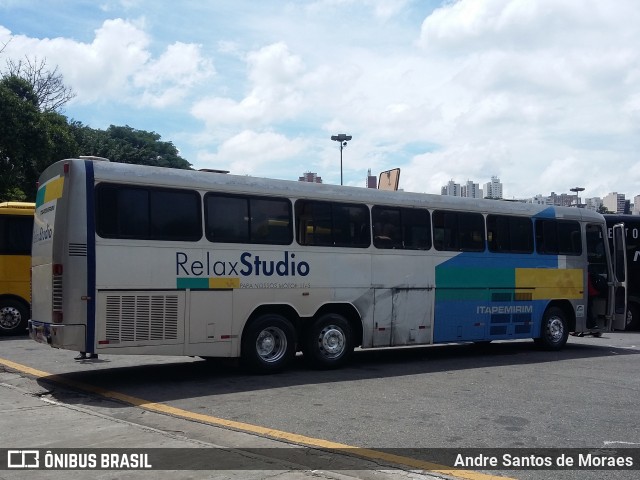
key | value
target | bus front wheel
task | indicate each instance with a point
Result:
(633, 317)
(13, 317)
(328, 342)
(554, 330)
(268, 344)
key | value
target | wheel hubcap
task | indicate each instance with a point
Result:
(332, 341)
(271, 344)
(555, 329)
(9, 318)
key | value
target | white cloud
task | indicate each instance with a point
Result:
(524, 90)
(118, 65)
(542, 77)
(249, 151)
(382, 9)
(274, 75)
(170, 78)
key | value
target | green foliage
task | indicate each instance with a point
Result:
(31, 139)
(128, 145)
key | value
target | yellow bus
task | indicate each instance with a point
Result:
(16, 233)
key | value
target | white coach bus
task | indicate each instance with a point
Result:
(131, 259)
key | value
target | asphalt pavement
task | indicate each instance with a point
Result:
(47, 431)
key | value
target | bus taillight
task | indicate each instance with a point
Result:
(56, 316)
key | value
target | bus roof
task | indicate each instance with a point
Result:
(243, 184)
(20, 208)
(612, 218)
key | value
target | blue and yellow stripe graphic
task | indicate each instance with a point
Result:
(207, 283)
(50, 191)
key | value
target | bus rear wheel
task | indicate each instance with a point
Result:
(268, 344)
(13, 317)
(554, 330)
(328, 342)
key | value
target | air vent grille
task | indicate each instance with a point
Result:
(141, 318)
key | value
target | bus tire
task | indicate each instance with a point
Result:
(328, 342)
(554, 330)
(13, 317)
(268, 344)
(633, 317)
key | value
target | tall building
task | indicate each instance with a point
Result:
(468, 190)
(471, 190)
(451, 189)
(593, 203)
(636, 205)
(372, 181)
(310, 177)
(614, 202)
(493, 189)
(561, 200)
(538, 200)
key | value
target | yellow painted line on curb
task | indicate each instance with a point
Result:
(367, 453)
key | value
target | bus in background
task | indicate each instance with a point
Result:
(131, 259)
(632, 236)
(16, 229)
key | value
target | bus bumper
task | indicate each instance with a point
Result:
(68, 337)
(39, 332)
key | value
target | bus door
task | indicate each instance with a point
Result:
(619, 286)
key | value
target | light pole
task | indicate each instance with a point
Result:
(343, 139)
(577, 190)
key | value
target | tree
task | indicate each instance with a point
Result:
(30, 140)
(128, 145)
(602, 209)
(33, 135)
(47, 85)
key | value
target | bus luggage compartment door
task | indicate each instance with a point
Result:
(402, 316)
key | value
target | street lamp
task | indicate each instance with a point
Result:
(343, 139)
(577, 190)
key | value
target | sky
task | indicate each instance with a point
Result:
(543, 94)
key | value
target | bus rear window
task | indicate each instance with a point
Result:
(15, 235)
(147, 213)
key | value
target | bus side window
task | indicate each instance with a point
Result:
(458, 231)
(509, 234)
(386, 230)
(558, 237)
(332, 224)
(270, 221)
(596, 257)
(147, 213)
(416, 228)
(248, 219)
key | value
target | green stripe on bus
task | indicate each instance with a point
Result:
(460, 277)
(184, 283)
